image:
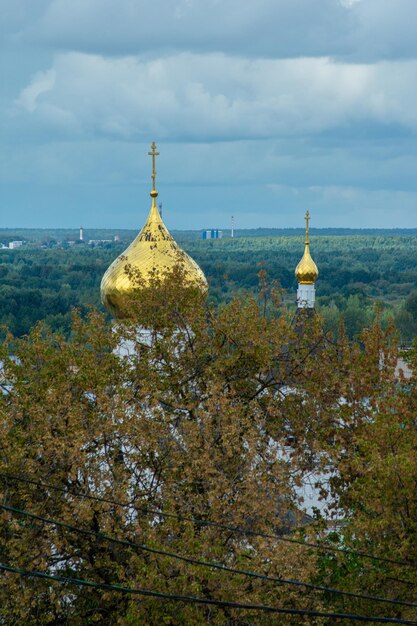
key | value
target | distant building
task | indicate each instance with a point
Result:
(214, 233)
(15, 244)
(98, 242)
(81, 234)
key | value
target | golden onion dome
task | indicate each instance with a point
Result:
(306, 271)
(153, 252)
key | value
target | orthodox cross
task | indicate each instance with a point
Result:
(153, 154)
(307, 219)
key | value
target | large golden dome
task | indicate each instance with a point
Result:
(154, 251)
(306, 271)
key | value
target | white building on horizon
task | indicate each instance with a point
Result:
(15, 244)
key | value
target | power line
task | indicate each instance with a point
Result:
(208, 601)
(201, 522)
(197, 562)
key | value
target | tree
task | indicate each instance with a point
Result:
(209, 415)
(411, 305)
(376, 481)
(406, 318)
(355, 316)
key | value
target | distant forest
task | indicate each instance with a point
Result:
(358, 273)
(60, 234)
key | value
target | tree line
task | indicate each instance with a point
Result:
(356, 274)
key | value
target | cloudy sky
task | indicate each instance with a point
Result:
(260, 109)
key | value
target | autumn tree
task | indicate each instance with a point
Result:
(376, 481)
(183, 414)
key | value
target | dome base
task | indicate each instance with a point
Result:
(306, 295)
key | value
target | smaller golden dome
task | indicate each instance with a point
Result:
(306, 271)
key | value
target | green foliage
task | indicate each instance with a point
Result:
(37, 284)
(355, 272)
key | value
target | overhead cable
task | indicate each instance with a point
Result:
(207, 601)
(198, 562)
(209, 523)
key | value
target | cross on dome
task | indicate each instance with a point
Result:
(154, 153)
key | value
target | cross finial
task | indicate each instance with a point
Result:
(307, 219)
(153, 154)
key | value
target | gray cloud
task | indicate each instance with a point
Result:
(358, 29)
(19, 14)
(211, 97)
(261, 108)
(385, 29)
(263, 182)
(275, 28)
